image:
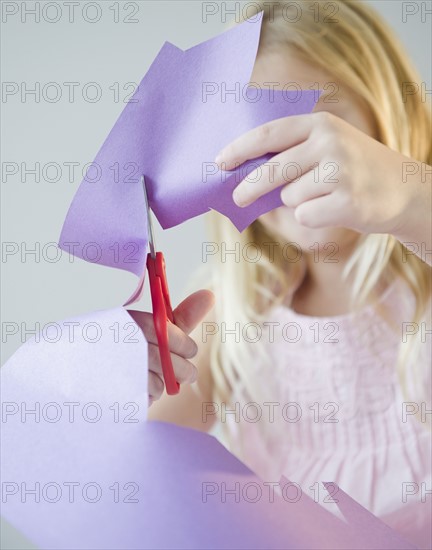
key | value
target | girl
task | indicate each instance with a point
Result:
(315, 357)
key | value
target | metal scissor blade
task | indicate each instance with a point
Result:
(152, 243)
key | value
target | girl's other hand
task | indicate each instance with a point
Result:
(333, 174)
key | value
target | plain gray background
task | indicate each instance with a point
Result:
(35, 290)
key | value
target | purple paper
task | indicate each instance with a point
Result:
(81, 467)
(187, 107)
(118, 482)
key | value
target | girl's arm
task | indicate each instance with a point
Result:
(186, 408)
(415, 229)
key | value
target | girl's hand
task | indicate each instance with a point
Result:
(186, 316)
(334, 174)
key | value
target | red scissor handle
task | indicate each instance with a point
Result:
(162, 314)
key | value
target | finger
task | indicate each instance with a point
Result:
(184, 371)
(155, 386)
(283, 168)
(306, 188)
(190, 312)
(179, 342)
(325, 211)
(272, 137)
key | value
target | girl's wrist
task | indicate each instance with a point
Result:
(414, 226)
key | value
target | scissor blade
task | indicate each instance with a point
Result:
(152, 243)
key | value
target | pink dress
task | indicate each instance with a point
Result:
(337, 413)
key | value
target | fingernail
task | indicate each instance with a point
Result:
(238, 199)
(218, 159)
(195, 351)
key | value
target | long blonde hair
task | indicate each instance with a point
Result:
(362, 53)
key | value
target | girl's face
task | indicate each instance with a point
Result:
(284, 68)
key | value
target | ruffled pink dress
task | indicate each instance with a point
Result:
(337, 412)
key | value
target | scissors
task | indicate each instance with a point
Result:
(162, 310)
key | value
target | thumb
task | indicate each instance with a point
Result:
(190, 312)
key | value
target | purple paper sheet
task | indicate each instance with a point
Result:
(81, 467)
(119, 482)
(181, 115)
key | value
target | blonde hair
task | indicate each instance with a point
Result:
(362, 53)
